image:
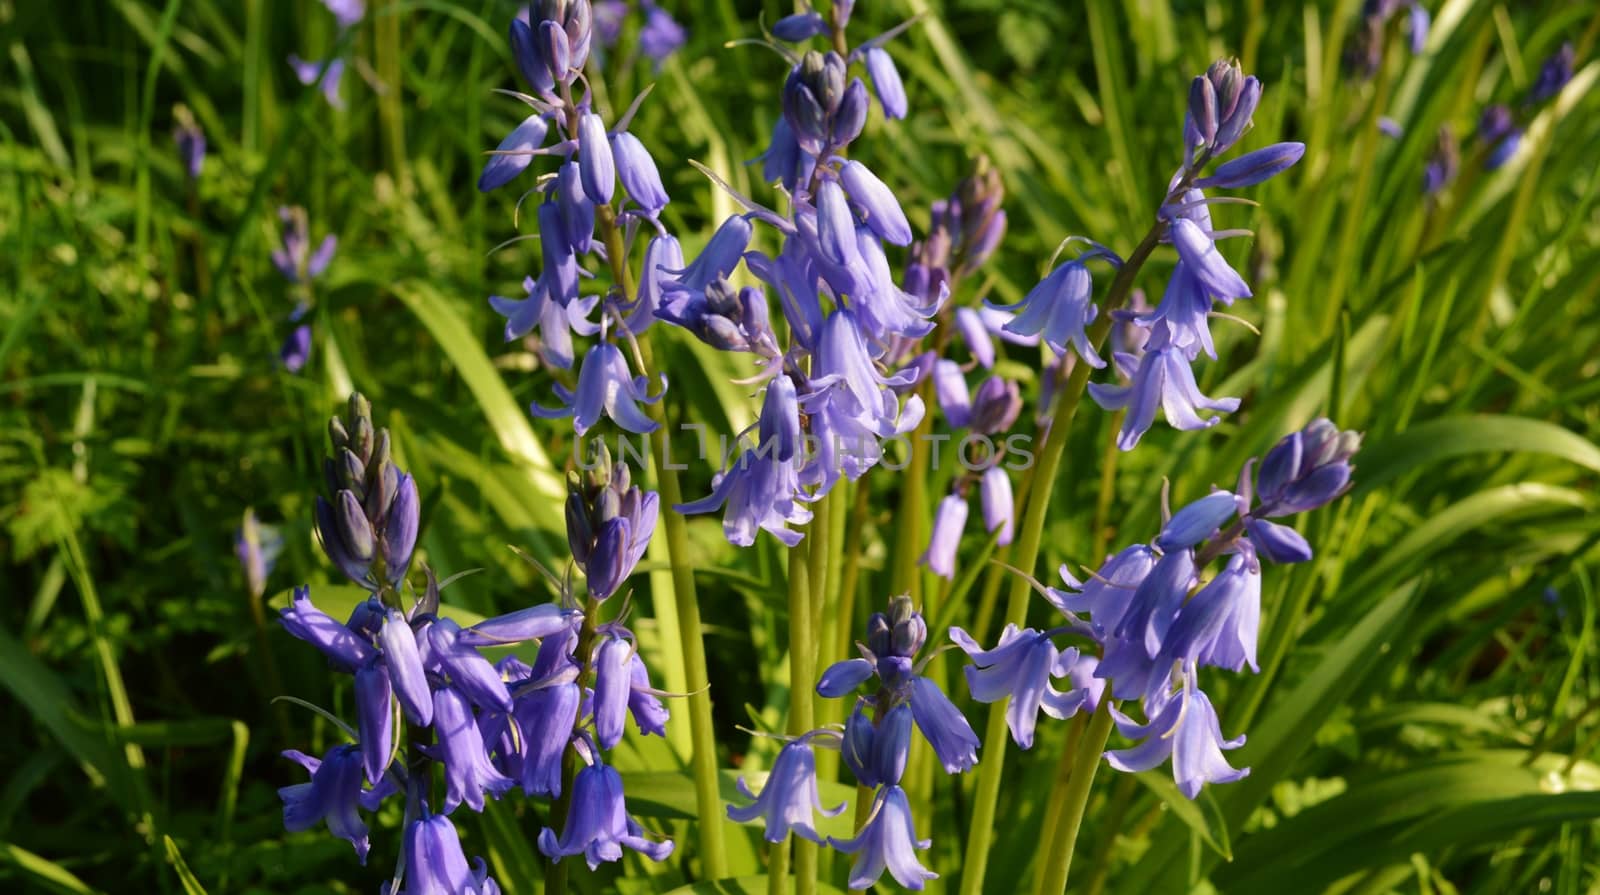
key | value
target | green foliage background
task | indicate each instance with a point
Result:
(1425, 720)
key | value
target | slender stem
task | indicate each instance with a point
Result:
(802, 677)
(391, 109)
(1056, 807)
(1026, 554)
(1075, 800)
(703, 751)
(1121, 801)
(1100, 537)
(778, 868)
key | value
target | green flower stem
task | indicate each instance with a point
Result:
(1026, 555)
(802, 677)
(1122, 798)
(1056, 807)
(778, 868)
(702, 738)
(1075, 800)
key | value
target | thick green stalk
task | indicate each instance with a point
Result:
(1056, 807)
(1026, 556)
(802, 677)
(1075, 800)
(391, 108)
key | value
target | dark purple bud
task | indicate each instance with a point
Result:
(886, 82)
(1227, 80)
(579, 23)
(1197, 521)
(607, 566)
(191, 143)
(1553, 76)
(400, 530)
(1495, 123)
(856, 747)
(530, 62)
(879, 629)
(1503, 151)
(908, 636)
(333, 543)
(799, 26)
(1306, 470)
(891, 745)
(354, 527)
(374, 720)
(844, 677)
(554, 51)
(638, 172)
(1203, 108)
(594, 159)
(1279, 543)
(995, 406)
(851, 115)
(884, 215)
(577, 212)
(295, 352)
(1254, 167)
(580, 534)
(1237, 121)
(807, 120)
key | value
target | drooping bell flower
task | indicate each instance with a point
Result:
(789, 798)
(948, 521)
(761, 487)
(605, 388)
(1059, 309)
(888, 841)
(514, 154)
(334, 794)
(1185, 729)
(1161, 378)
(598, 825)
(294, 258)
(435, 863)
(468, 773)
(1019, 668)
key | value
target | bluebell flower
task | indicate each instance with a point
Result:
(856, 747)
(1254, 167)
(345, 649)
(598, 825)
(457, 657)
(722, 317)
(1197, 521)
(638, 172)
(1105, 596)
(533, 623)
(1278, 543)
(1554, 74)
(1185, 729)
(347, 13)
(1443, 162)
(1498, 130)
(887, 841)
(1058, 310)
(308, 71)
(555, 320)
(886, 82)
(257, 546)
(295, 352)
(1161, 378)
(789, 797)
(1219, 625)
(435, 863)
(943, 726)
(468, 773)
(890, 747)
(882, 210)
(294, 259)
(334, 794)
(999, 511)
(403, 662)
(1155, 601)
(800, 26)
(661, 35)
(545, 709)
(514, 154)
(720, 256)
(1019, 668)
(605, 388)
(613, 682)
(1199, 254)
(661, 254)
(762, 486)
(374, 718)
(996, 404)
(948, 521)
(191, 143)
(644, 704)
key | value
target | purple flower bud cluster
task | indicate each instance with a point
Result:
(1177, 331)
(837, 390)
(1158, 614)
(347, 14)
(368, 522)
(550, 43)
(492, 725)
(1443, 164)
(299, 265)
(1500, 128)
(874, 747)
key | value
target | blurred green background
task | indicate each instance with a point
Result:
(1425, 720)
